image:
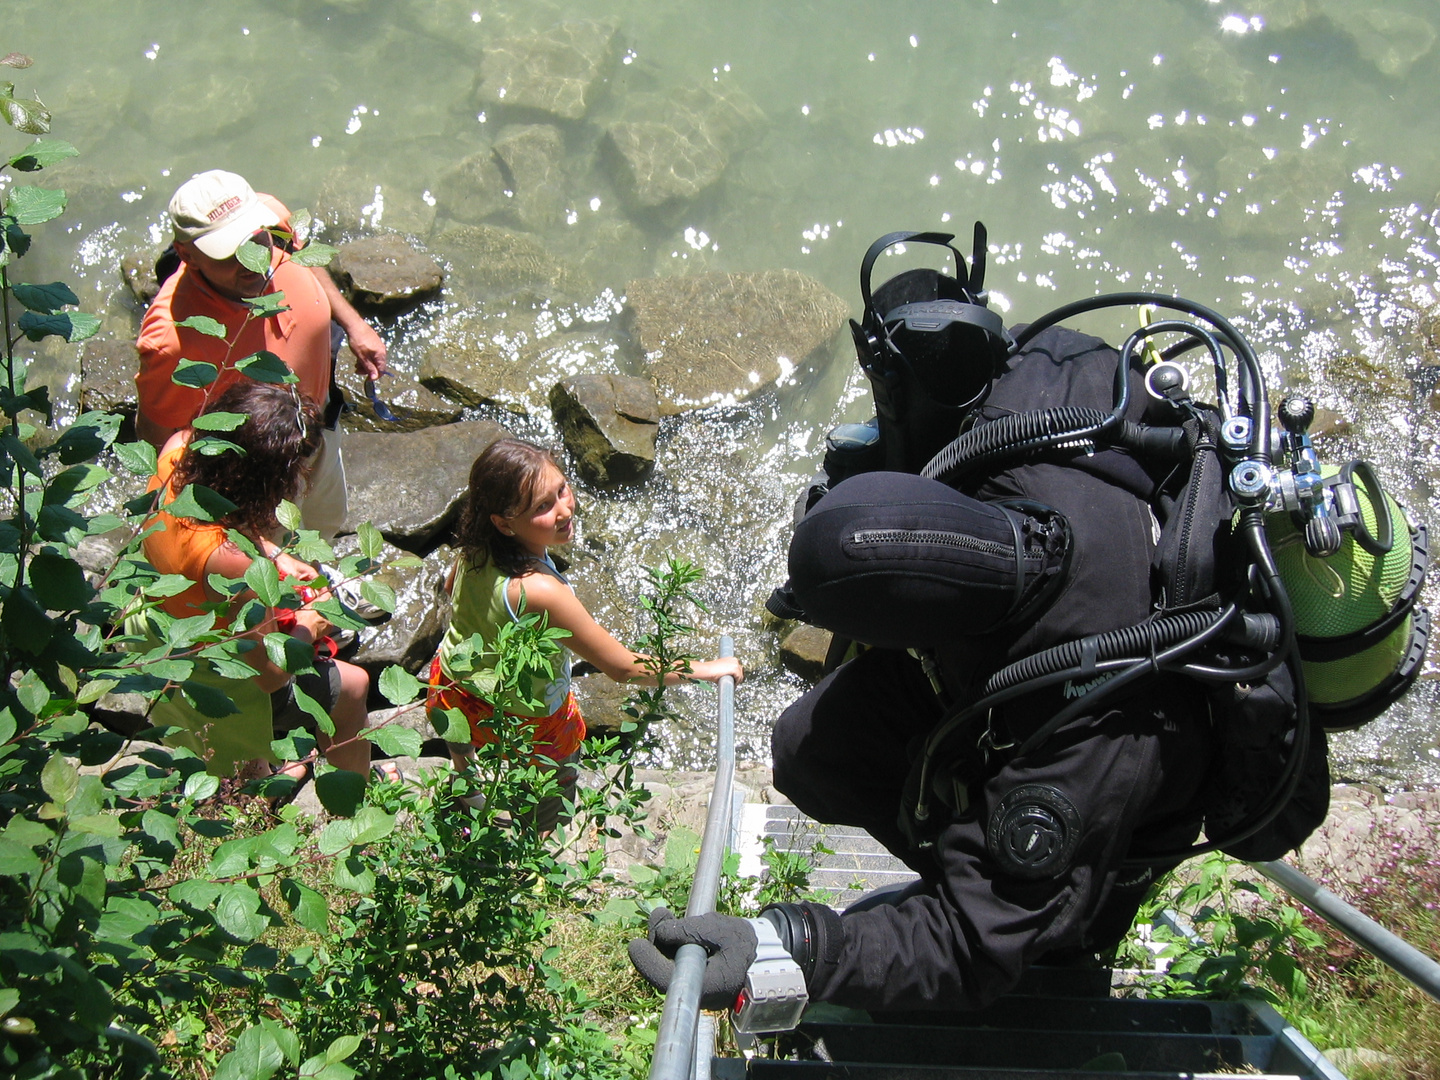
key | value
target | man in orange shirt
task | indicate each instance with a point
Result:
(213, 213)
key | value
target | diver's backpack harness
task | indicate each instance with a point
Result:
(912, 331)
(1359, 633)
(1232, 481)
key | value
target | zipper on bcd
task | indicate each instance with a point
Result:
(940, 538)
(1204, 449)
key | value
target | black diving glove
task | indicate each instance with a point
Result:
(761, 968)
(729, 942)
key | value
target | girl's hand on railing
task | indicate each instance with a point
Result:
(715, 670)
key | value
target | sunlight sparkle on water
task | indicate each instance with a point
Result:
(1377, 177)
(1238, 24)
(898, 136)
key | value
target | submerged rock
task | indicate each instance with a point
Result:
(467, 365)
(473, 189)
(669, 148)
(710, 338)
(491, 259)
(609, 424)
(560, 72)
(202, 92)
(385, 274)
(410, 486)
(511, 357)
(1391, 39)
(1285, 14)
(353, 199)
(107, 377)
(534, 155)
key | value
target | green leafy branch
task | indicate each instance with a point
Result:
(672, 592)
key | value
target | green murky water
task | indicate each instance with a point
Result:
(1275, 159)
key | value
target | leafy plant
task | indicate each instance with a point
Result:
(787, 872)
(132, 885)
(1241, 940)
(673, 590)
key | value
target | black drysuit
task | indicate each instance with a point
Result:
(1132, 770)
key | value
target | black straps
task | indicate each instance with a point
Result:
(889, 240)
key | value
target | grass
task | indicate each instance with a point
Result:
(1390, 873)
(1382, 860)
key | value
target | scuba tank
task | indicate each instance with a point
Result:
(1360, 634)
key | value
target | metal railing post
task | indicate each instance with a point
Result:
(675, 1042)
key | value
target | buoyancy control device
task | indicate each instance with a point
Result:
(1290, 590)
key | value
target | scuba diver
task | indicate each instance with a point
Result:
(1094, 618)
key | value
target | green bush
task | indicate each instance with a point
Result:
(156, 919)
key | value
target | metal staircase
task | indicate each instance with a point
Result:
(1058, 1023)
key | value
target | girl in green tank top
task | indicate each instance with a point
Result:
(518, 507)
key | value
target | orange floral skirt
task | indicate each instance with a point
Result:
(556, 736)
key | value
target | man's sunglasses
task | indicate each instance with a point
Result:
(383, 411)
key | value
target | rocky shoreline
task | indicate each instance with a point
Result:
(517, 300)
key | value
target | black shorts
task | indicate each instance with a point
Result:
(322, 684)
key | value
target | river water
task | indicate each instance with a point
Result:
(1275, 159)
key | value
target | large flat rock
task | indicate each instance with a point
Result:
(714, 338)
(558, 73)
(410, 485)
(385, 274)
(668, 148)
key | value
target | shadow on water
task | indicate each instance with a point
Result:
(1277, 162)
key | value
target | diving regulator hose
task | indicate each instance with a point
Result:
(1131, 653)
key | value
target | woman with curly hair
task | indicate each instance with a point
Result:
(277, 442)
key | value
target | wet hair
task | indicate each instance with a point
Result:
(282, 430)
(504, 480)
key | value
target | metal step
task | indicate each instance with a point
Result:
(1042, 1047)
(1040, 1036)
(1035, 1038)
(1058, 1023)
(733, 1069)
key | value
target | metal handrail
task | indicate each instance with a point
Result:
(1409, 961)
(679, 1020)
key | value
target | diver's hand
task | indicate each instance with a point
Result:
(729, 942)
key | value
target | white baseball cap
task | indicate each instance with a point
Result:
(217, 211)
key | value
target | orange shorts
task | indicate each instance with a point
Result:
(556, 736)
